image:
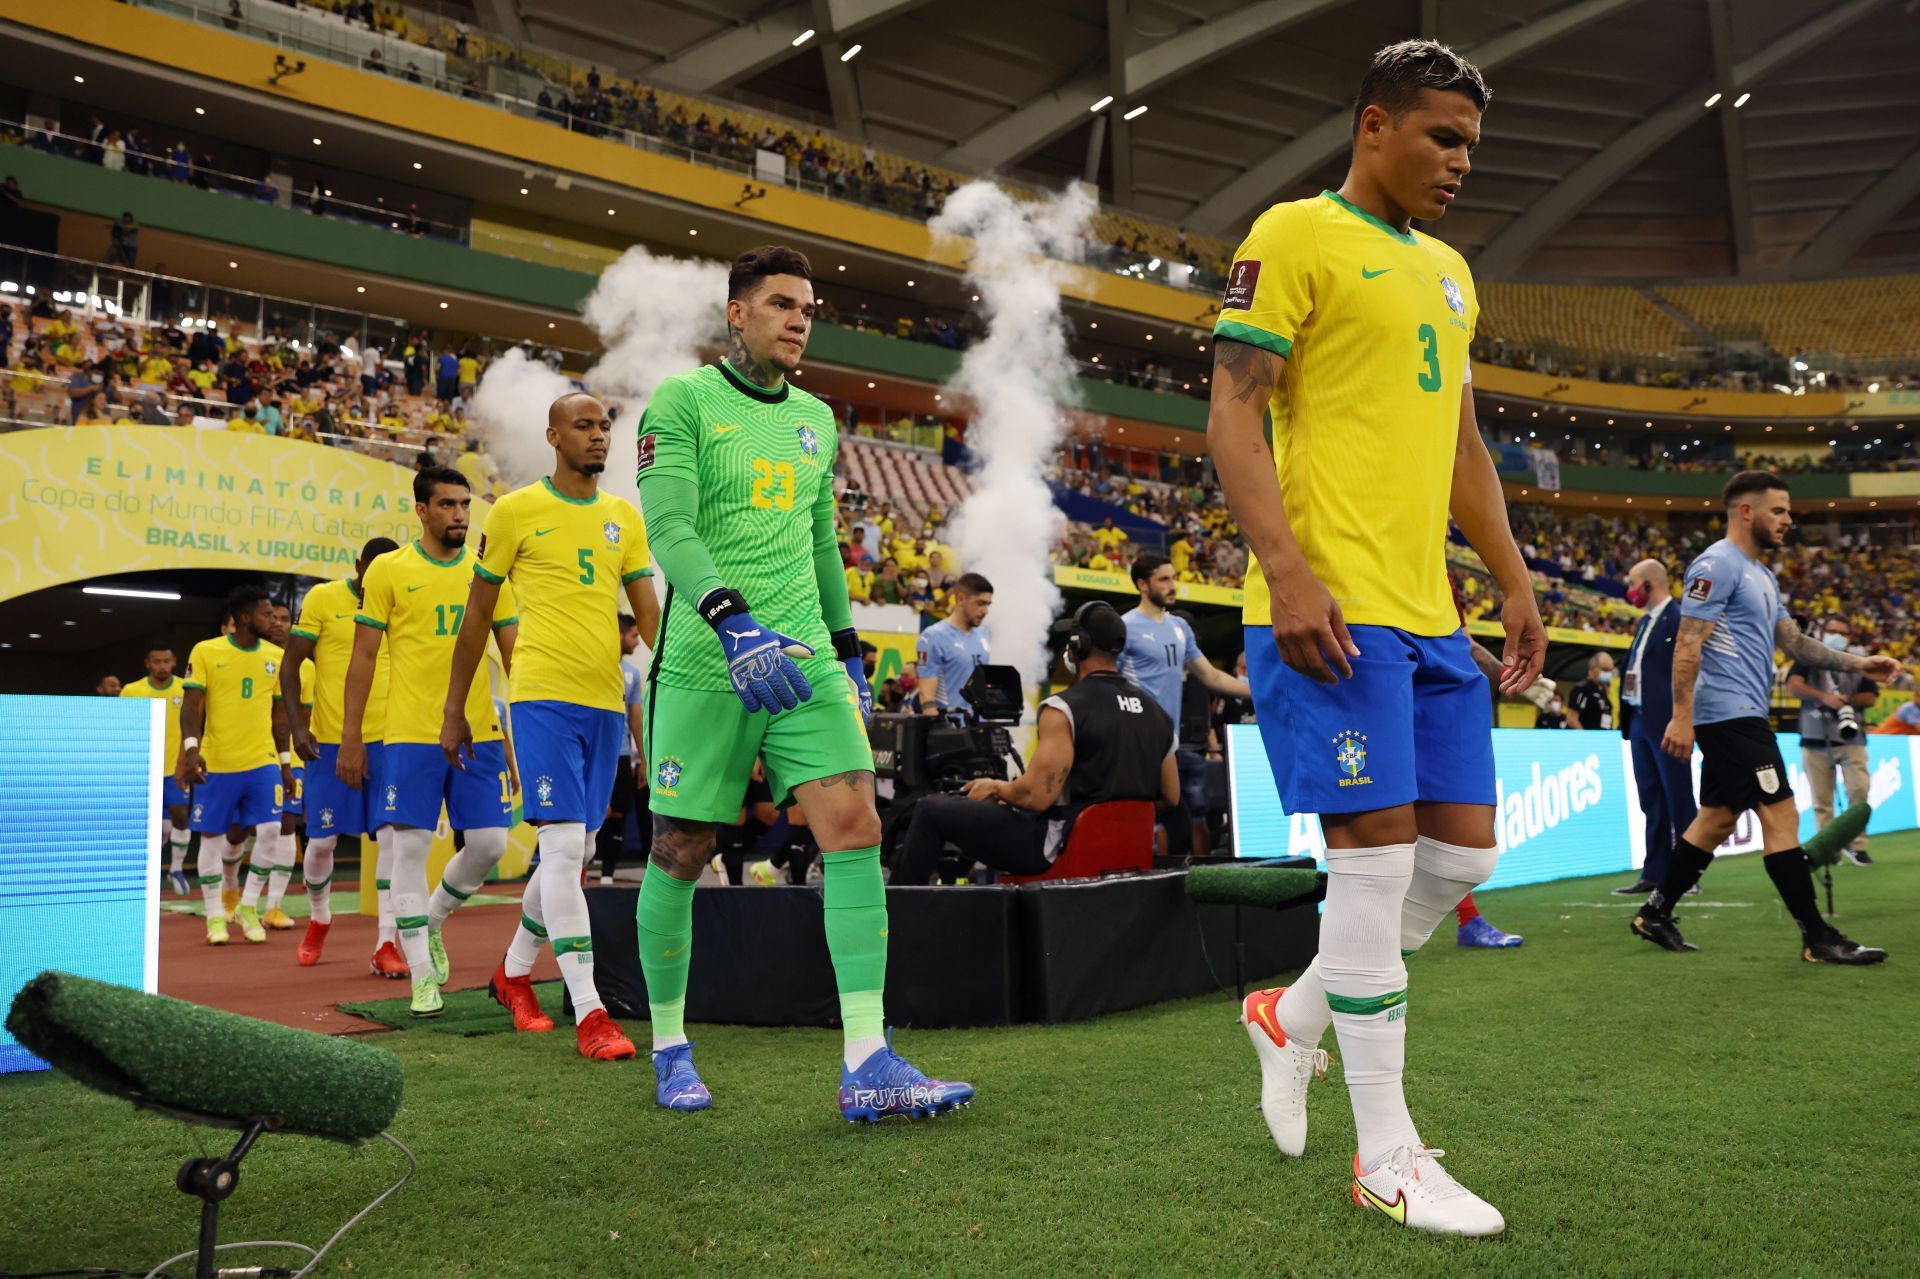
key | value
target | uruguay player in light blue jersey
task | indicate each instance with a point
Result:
(1161, 653)
(1731, 620)
(950, 650)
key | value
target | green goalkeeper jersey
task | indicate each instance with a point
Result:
(763, 462)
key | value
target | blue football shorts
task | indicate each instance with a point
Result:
(226, 800)
(567, 755)
(418, 780)
(1414, 723)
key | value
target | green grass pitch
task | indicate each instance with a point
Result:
(1633, 1113)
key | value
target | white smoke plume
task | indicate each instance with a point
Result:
(1015, 383)
(653, 314)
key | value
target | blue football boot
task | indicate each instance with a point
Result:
(1478, 933)
(887, 1085)
(678, 1083)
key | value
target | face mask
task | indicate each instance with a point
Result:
(1838, 643)
(1638, 596)
(1554, 707)
(1606, 677)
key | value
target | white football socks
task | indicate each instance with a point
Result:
(1442, 875)
(318, 874)
(1366, 985)
(563, 856)
(230, 864)
(464, 874)
(283, 868)
(178, 837)
(209, 867)
(383, 879)
(411, 846)
(527, 938)
(266, 853)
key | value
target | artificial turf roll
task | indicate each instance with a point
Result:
(169, 1053)
(1823, 846)
(1251, 885)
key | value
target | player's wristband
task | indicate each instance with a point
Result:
(846, 645)
(189, 743)
(718, 604)
(286, 757)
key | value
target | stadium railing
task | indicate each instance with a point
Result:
(509, 92)
(160, 166)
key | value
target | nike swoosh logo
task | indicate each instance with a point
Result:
(1374, 275)
(722, 430)
(542, 532)
(1265, 1013)
(669, 954)
(412, 589)
(1397, 1209)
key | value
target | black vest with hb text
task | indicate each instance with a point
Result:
(1120, 736)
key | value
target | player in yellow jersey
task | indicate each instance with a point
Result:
(570, 552)
(292, 812)
(160, 682)
(416, 598)
(240, 773)
(325, 632)
(1352, 330)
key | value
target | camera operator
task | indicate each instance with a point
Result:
(1102, 739)
(1831, 734)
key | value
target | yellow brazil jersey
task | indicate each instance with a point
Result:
(420, 602)
(1374, 323)
(241, 685)
(326, 618)
(173, 692)
(568, 559)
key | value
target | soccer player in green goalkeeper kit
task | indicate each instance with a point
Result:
(736, 479)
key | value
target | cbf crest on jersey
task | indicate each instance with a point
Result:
(272, 669)
(1350, 757)
(612, 530)
(809, 441)
(1456, 300)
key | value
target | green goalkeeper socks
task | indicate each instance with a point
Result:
(664, 920)
(856, 910)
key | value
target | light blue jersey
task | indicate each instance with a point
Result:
(949, 654)
(1157, 656)
(1741, 597)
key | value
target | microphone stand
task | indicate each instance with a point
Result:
(211, 1180)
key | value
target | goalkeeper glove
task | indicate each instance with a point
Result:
(759, 660)
(846, 647)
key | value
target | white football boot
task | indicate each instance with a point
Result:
(1411, 1187)
(1286, 1068)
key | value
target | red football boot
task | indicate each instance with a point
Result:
(387, 962)
(601, 1038)
(515, 994)
(308, 952)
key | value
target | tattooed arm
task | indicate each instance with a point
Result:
(1802, 647)
(1307, 626)
(1678, 739)
(1037, 789)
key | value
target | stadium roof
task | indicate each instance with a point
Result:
(1601, 154)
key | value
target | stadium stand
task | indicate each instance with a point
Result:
(1871, 324)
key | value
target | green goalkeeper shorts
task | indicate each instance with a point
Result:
(701, 746)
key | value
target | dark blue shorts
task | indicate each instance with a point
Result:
(567, 755)
(333, 807)
(419, 779)
(172, 793)
(1414, 723)
(226, 800)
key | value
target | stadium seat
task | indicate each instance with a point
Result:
(1106, 839)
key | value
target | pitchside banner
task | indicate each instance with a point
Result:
(79, 844)
(1567, 802)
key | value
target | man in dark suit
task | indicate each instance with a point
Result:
(1646, 703)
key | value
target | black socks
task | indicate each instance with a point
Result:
(1792, 875)
(1684, 869)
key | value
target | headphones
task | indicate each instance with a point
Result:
(1079, 645)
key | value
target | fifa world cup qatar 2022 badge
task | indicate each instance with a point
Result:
(1350, 754)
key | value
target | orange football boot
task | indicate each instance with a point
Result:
(515, 994)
